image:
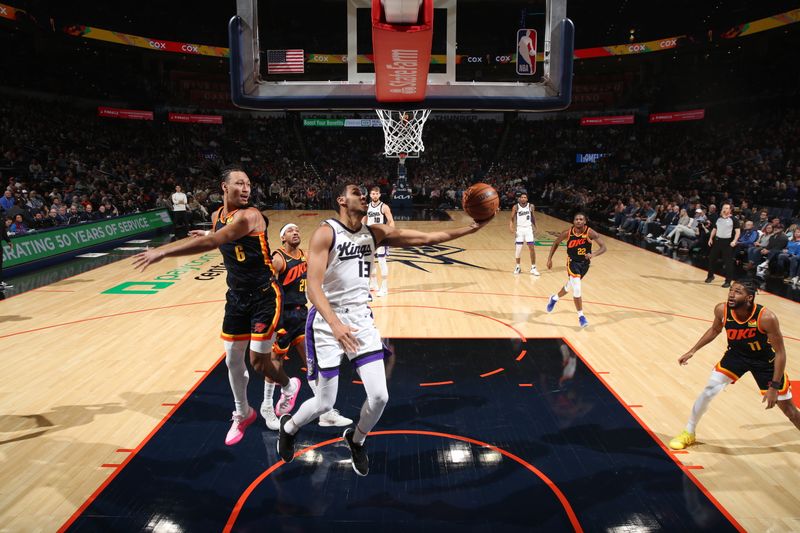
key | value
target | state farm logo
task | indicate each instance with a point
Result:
(403, 71)
(158, 45)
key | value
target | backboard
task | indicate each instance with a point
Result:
(477, 51)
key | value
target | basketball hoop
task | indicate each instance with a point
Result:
(402, 131)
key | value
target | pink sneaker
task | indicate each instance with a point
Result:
(240, 423)
(286, 402)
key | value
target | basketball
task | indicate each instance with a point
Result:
(481, 201)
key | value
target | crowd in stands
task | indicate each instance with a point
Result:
(662, 183)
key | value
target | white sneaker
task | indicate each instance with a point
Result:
(373, 286)
(381, 292)
(517, 269)
(534, 271)
(333, 418)
(268, 412)
(795, 280)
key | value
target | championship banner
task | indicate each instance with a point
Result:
(678, 116)
(197, 119)
(658, 45)
(8, 12)
(131, 114)
(88, 32)
(44, 245)
(607, 121)
(769, 23)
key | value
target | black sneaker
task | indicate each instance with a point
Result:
(726, 284)
(709, 279)
(358, 451)
(285, 441)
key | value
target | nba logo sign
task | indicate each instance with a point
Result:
(526, 52)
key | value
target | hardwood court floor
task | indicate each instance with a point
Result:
(89, 374)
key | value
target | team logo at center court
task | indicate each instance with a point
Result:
(437, 254)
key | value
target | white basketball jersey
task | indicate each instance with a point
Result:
(346, 280)
(375, 214)
(524, 217)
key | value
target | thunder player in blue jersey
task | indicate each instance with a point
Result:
(755, 345)
(253, 301)
(340, 324)
(579, 255)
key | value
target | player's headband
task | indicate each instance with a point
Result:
(286, 227)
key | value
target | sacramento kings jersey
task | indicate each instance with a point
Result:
(375, 214)
(578, 244)
(293, 278)
(247, 259)
(346, 280)
(746, 338)
(524, 217)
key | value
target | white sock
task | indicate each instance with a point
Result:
(269, 391)
(716, 383)
(554, 297)
(237, 374)
(323, 400)
(518, 251)
(289, 389)
(384, 287)
(384, 268)
(580, 313)
(373, 375)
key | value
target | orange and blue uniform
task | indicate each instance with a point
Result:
(254, 298)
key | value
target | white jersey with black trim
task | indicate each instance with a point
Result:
(375, 214)
(524, 217)
(350, 258)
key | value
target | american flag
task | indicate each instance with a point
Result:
(282, 61)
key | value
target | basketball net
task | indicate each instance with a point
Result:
(402, 131)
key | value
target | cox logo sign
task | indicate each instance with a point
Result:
(502, 59)
(668, 43)
(190, 48)
(637, 48)
(158, 45)
(474, 59)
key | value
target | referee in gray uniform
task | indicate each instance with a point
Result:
(722, 242)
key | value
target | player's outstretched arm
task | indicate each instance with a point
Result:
(387, 235)
(710, 334)
(600, 242)
(513, 218)
(320, 244)
(241, 226)
(554, 247)
(769, 324)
